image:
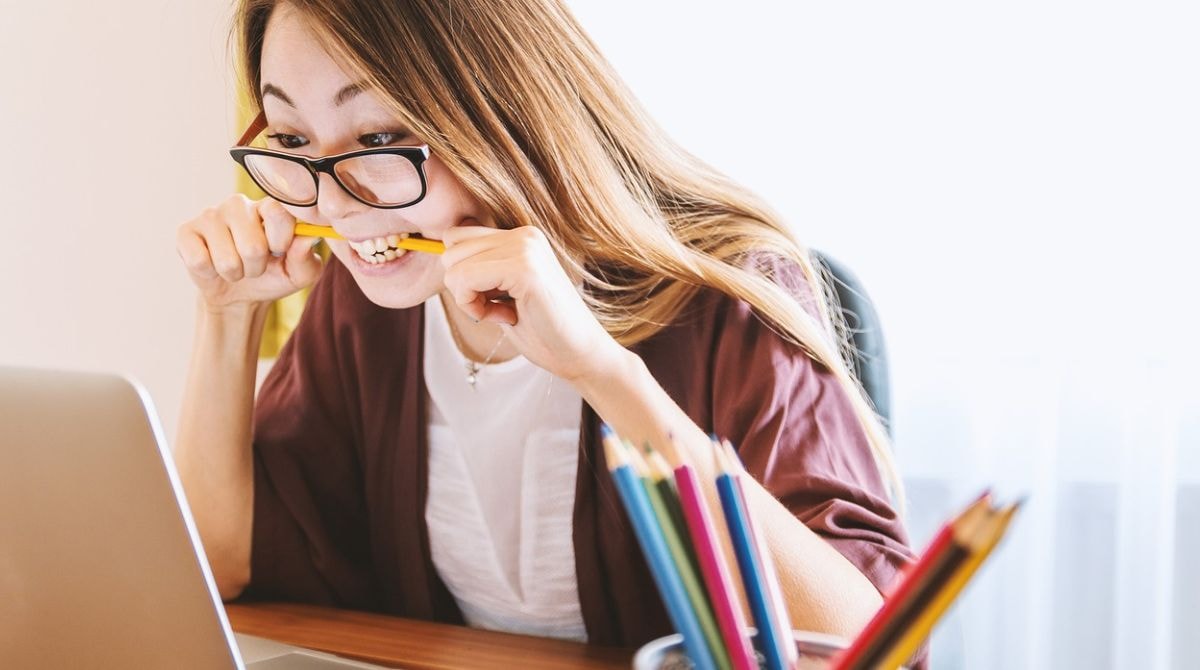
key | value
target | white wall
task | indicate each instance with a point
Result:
(114, 121)
(1017, 184)
(993, 172)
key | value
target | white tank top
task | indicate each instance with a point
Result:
(502, 471)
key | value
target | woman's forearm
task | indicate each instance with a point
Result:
(212, 448)
(824, 591)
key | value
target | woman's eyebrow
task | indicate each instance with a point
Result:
(343, 96)
(272, 89)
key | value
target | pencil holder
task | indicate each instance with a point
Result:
(666, 653)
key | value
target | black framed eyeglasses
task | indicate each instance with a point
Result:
(386, 178)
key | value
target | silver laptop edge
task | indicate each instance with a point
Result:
(93, 570)
(168, 460)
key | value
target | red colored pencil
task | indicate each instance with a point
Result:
(901, 603)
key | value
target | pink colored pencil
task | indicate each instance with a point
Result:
(715, 570)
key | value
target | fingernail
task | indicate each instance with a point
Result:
(277, 254)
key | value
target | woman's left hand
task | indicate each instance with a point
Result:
(545, 317)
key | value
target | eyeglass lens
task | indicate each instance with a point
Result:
(381, 179)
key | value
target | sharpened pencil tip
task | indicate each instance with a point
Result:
(731, 456)
(1014, 507)
(614, 454)
(719, 456)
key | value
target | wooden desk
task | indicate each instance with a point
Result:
(406, 643)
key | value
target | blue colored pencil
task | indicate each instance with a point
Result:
(783, 621)
(754, 577)
(654, 547)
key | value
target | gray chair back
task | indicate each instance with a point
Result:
(870, 363)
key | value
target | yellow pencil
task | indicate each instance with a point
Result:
(409, 243)
(988, 536)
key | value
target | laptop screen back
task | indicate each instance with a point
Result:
(97, 562)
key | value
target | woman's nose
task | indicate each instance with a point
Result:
(333, 202)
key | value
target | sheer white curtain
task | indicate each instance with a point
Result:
(1018, 185)
(1098, 572)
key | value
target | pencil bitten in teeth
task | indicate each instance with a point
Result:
(380, 249)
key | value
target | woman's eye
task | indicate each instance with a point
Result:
(288, 141)
(380, 139)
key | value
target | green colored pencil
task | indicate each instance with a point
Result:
(684, 560)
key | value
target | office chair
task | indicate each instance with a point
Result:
(869, 362)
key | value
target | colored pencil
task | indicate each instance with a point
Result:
(937, 562)
(660, 493)
(778, 648)
(658, 557)
(984, 540)
(409, 243)
(783, 623)
(715, 570)
(660, 474)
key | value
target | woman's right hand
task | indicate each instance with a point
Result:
(244, 252)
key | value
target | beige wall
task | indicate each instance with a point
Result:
(946, 167)
(114, 128)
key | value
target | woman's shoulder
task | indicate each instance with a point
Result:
(712, 306)
(801, 283)
(716, 329)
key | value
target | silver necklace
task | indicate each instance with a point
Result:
(473, 368)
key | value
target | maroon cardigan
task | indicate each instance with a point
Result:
(340, 460)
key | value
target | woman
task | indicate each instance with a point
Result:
(427, 442)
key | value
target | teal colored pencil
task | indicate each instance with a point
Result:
(684, 563)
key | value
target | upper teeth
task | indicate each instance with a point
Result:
(379, 244)
(380, 248)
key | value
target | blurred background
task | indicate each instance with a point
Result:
(1016, 185)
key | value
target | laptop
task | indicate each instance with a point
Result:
(100, 562)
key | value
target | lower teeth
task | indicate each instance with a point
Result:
(381, 257)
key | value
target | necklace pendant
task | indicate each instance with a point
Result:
(472, 374)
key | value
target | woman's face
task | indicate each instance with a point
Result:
(314, 109)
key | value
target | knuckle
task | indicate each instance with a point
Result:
(531, 238)
(200, 267)
(211, 225)
(200, 222)
(227, 268)
(235, 205)
(255, 249)
(270, 206)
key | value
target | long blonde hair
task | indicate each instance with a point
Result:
(520, 105)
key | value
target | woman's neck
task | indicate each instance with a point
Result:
(476, 340)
